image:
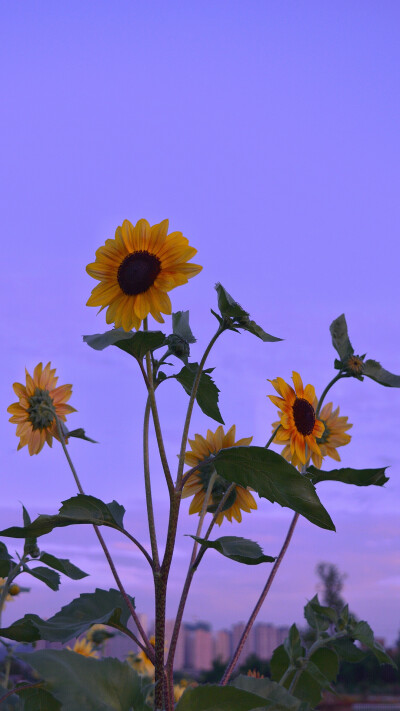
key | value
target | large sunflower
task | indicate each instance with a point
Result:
(39, 403)
(334, 436)
(136, 269)
(298, 424)
(197, 484)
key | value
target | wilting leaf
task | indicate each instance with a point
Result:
(105, 607)
(374, 370)
(80, 509)
(207, 392)
(180, 326)
(230, 309)
(80, 434)
(340, 338)
(273, 478)
(240, 549)
(136, 343)
(80, 682)
(347, 475)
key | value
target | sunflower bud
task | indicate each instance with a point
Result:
(178, 346)
(14, 589)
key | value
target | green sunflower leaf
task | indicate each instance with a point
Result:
(372, 369)
(79, 682)
(101, 607)
(63, 565)
(273, 478)
(207, 393)
(80, 434)
(274, 693)
(340, 338)
(240, 549)
(37, 699)
(180, 326)
(347, 475)
(31, 546)
(45, 575)
(80, 509)
(6, 562)
(362, 632)
(211, 697)
(237, 317)
(347, 650)
(136, 343)
(280, 662)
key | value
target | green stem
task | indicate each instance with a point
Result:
(328, 387)
(156, 420)
(147, 647)
(191, 404)
(202, 514)
(147, 484)
(271, 439)
(317, 644)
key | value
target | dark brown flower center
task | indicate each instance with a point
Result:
(41, 409)
(138, 272)
(304, 416)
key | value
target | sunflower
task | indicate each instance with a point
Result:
(13, 590)
(197, 484)
(141, 662)
(136, 269)
(39, 403)
(334, 436)
(299, 426)
(84, 647)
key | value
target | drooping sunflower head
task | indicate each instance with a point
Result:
(40, 401)
(83, 646)
(137, 269)
(240, 499)
(299, 426)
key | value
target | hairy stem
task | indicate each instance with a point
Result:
(229, 669)
(147, 647)
(156, 420)
(191, 404)
(147, 484)
(328, 387)
(189, 577)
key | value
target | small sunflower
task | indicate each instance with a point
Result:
(84, 647)
(12, 591)
(334, 436)
(197, 484)
(39, 403)
(135, 271)
(299, 426)
(141, 662)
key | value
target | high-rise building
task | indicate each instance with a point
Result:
(266, 639)
(249, 646)
(282, 633)
(198, 646)
(223, 645)
(179, 659)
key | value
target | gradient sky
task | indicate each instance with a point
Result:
(268, 133)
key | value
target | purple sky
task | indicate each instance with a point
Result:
(269, 134)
